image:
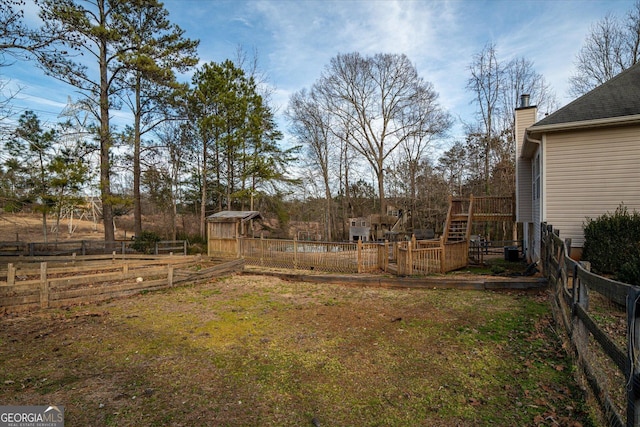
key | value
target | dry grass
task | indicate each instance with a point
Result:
(253, 350)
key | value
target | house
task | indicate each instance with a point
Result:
(580, 162)
(359, 229)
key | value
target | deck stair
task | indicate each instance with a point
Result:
(464, 211)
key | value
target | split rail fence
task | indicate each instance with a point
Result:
(88, 247)
(608, 358)
(412, 257)
(62, 281)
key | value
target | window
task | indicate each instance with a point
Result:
(353, 223)
(363, 223)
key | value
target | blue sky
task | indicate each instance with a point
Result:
(294, 41)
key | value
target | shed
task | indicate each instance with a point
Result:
(232, 224)
(225, 227)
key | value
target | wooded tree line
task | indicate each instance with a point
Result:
(370, 131)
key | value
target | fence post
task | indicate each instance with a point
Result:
(155, 250)
(44, 286)
(359, 246)
(633, 362)
(295, 252)
(262, 249)
(410, 257)
(11, 275)
(170, 275)
(385, 255)
(83, 247)
(184, 247)
(580, 333)
(443, 256)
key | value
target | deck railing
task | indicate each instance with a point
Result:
(492, 205)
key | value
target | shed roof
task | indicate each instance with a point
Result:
(226, 216)
(618, 97)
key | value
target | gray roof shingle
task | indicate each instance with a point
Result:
(617, 97)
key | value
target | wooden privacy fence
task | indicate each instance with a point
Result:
(55, 283)
(602, 354)
(412, 257)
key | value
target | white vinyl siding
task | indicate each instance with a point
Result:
(588, 173)
(536, 195)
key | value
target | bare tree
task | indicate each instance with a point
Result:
(612, 46)
(311, 125)
(486, 83)
(496, 87)
(376, 96)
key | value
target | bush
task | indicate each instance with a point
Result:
(146, 242)
(630, 272)
(612, 244)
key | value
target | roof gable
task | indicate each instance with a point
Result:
(617, 97)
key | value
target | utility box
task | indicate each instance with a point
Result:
(511, 253)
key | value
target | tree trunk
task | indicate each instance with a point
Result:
(203, 195)
(105, 146)
(137, 202)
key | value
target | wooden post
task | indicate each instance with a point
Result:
(170, 275)
(83, 247)
(410, 257)
(359, 246)
(155, 250)
(44, 286)
(633, 362)
(11, 275)
(295, 252)
(443, 257)
(184, 247)
(385, 255)
(580, 333)
(262, 248)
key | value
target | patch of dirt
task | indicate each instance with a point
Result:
(28, 228)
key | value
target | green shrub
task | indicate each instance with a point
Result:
(630, 272)
(612, 244)
(146, 242)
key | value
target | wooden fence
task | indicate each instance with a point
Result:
(608, 358)
(294, 254)
(88, 247)
(62, 281)
(412, 257)
(431, 256)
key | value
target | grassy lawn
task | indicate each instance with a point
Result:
(258, 351)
